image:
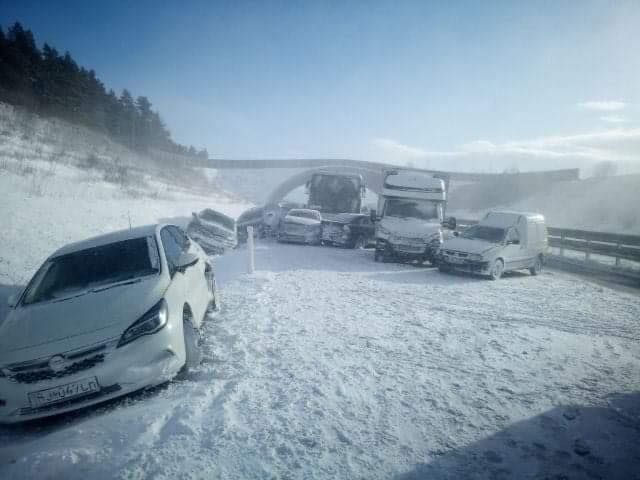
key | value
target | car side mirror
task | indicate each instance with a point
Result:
(186, 260)
(12, 301)
(456, 233)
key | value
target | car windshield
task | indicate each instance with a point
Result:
(412, 208)
(75, 272)
(216, 217)
(304, 214)
(482, 232)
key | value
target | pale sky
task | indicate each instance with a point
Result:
(458, 85)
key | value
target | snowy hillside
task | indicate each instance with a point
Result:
(62, 183)
(324, 364)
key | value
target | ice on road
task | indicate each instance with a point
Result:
(324, 364)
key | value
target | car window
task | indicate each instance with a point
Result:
(512, 235)
(180, 237)
(171, 245)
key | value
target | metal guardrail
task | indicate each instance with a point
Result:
(624, 250)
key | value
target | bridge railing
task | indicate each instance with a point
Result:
(614, 253)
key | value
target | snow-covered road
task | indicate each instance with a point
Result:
(324, 364)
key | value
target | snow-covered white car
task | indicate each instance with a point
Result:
(301, 225)
(104, 317)
(215, 232)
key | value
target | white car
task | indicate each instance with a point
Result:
(102, 318)
(301, 225)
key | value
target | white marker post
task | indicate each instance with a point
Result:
(252, 265)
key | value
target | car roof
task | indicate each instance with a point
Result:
(309, 210)
(503, 218)
(112, 237)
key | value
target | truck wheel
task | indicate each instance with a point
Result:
(497, 269)
(537, 266)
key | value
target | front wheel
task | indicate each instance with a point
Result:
(497, 269)
(192, 347)
(537, 266)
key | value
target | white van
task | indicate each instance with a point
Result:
(500, 242)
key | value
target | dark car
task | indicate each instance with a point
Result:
(350, 230)
(254, 217)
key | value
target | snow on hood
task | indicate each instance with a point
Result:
(468, 245)
(301, 220)
(47, 328)
(409, 227)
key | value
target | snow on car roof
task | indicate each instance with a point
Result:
(504, 218)
(112, 237)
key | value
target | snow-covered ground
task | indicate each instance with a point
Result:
(324, 364)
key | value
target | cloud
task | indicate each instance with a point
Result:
(568, 151)
(613, 119)
(603, 105)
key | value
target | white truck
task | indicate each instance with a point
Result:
(410, 216)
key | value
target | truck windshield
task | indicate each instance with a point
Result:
(482, 232)
(412, 208)
(69, 274)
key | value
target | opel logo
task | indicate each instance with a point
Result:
(57, 363)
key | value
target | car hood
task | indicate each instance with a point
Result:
(47, 328)
(204, 227)
(468, 245)
(301, 220)
(410, 227)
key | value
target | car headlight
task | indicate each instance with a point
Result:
(149, 323)
(346, 229)
(475, 257)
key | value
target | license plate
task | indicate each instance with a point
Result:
(456, 260)
(63, 392)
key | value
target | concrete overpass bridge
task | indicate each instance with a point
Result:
(270, 180)
(273, 179)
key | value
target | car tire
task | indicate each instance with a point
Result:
(192, 340)
(537, 266)
(497, 269)
(377, 256)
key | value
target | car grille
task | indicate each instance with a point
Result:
(77, 361)
(453, 253)
(294, 229)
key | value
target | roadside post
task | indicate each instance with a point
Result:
(252, 264)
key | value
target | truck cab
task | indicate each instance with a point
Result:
(410, 215)
(501, 242)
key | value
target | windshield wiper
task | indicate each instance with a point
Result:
(116, 284)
